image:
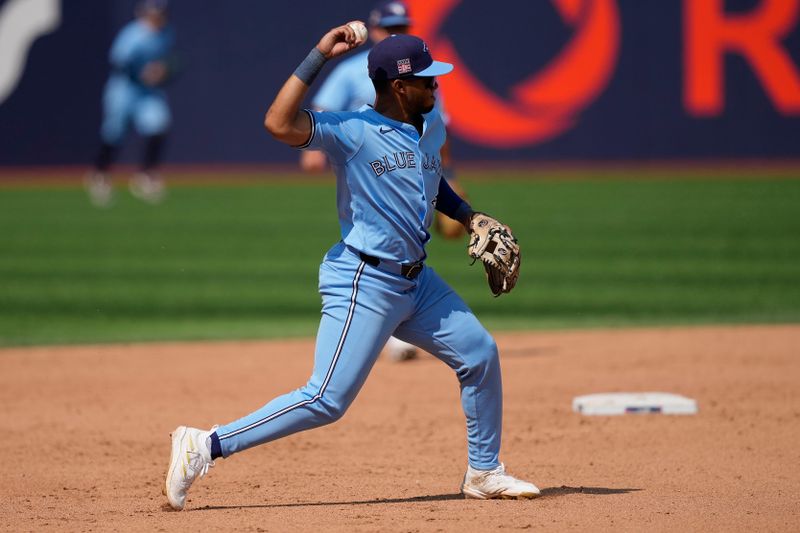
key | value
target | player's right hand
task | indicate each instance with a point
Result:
(338, 41)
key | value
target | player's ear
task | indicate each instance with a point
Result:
(399, 86)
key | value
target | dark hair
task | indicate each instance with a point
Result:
(400, 28)
(381, 86)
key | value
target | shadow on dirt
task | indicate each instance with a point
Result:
(563, 490)
(377, 501)
(550, 492)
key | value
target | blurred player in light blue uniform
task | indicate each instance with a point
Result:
(374, 281)
(348, 88)
(141, 63)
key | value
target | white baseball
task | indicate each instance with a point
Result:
(361, 31)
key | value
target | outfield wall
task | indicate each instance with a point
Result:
(535, 80)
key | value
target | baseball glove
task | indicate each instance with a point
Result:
(492, 243)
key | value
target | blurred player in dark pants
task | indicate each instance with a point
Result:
(348, 88)
(134, 95)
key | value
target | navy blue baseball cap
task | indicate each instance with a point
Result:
(403, 56)
(389, 13)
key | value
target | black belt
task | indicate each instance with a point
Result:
(409, 271)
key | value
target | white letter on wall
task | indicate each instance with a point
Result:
(21, 23)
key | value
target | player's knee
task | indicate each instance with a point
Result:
(488, 353)
(330, 410)
(482, 358)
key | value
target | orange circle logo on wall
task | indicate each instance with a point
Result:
(541, 106)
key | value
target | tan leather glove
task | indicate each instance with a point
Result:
(492, 243)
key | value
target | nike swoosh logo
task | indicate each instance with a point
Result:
(386, 130)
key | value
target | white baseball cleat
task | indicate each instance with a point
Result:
(488, 484)
(148, 187)
(397, 350)
(101, 192)
(191, 457)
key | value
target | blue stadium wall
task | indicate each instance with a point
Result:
(541, 79)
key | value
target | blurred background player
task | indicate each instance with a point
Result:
(348, 88)
(140, 66)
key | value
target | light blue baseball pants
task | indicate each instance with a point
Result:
(361, 307)
(126, 104)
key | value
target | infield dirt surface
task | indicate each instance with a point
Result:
(85, 438)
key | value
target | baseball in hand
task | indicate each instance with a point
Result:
(361, 31)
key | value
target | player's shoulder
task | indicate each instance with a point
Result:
(340, 116)
(365, 116)
(130, 34)
(339, 133)
(125, 31)
(134, 27)
(349, 122)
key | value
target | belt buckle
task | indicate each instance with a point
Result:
(413, 270)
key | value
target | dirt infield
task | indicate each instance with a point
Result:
(85, 442)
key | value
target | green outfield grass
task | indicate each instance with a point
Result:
(223, 262)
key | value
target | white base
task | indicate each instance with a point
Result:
(620, 403)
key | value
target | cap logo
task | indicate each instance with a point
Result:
(424, 46)
(404, 66)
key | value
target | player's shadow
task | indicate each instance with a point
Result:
(377, 501)
(563, 490)
(550, 492)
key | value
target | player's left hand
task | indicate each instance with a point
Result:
(493, 243)
(154, 73)
(339, 40)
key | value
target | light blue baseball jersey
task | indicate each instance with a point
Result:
(387, 179)
(136, 45)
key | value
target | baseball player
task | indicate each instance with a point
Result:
(348, 88)
(140, 61)
(374, 281)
